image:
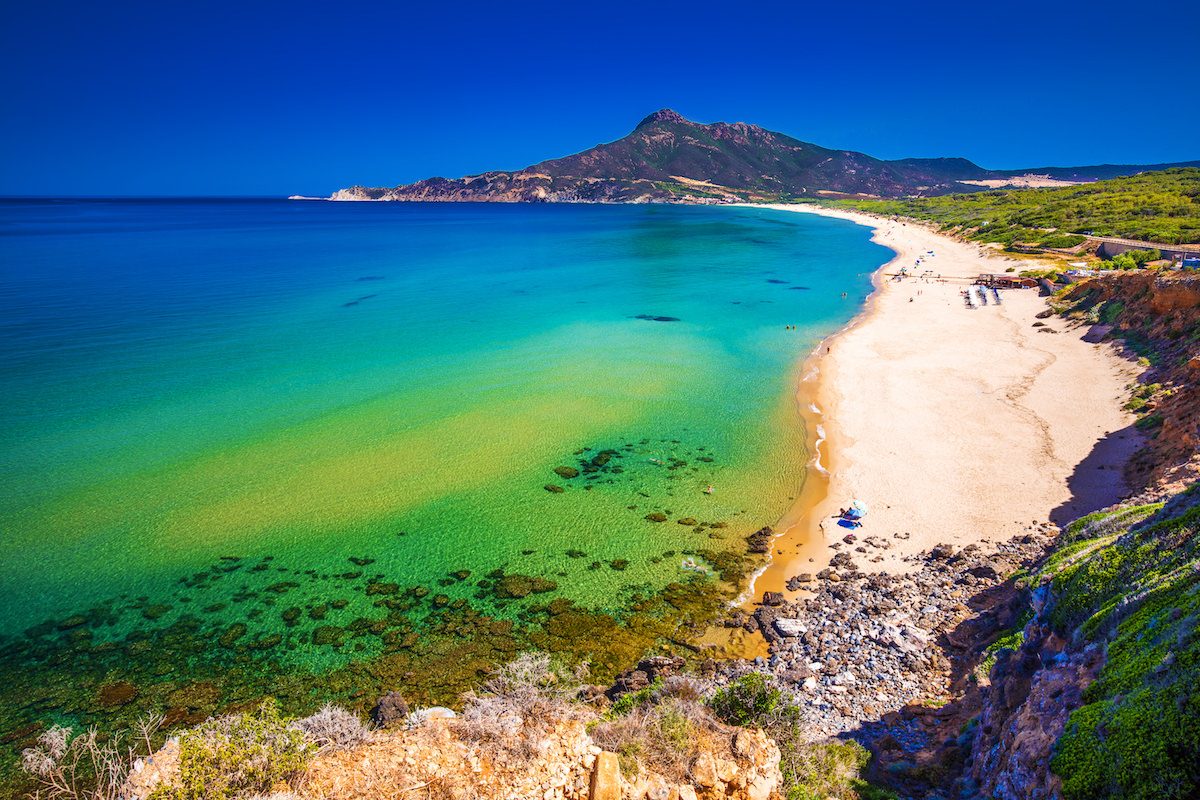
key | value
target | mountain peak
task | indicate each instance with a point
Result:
(661, 116)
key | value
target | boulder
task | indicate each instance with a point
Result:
(391, 709)
(606, 778)
(790, 627)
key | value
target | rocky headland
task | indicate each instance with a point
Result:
(670, 159)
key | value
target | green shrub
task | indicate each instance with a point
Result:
(627, 702)
(811, 771)
(236, 755)
(1162, 206)
(1138, 735)
(748, 701)
(1149, 423)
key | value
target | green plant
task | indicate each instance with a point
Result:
(1154, 206)
(631, 700)
(237, 755)
(750, 700)
(811, 771)
(1137, 735)
(830, 770)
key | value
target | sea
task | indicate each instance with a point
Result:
(312, 449)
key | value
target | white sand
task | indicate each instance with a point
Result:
(955, 425)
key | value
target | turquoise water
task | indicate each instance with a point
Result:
(324, 388)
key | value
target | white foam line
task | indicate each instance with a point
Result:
(749, 590)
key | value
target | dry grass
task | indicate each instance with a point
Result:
(333, 728)
(664, 738)
(515, 711)
(69, 766)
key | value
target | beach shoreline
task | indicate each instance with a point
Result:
(1037, 429)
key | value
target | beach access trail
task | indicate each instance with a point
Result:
(953, 424)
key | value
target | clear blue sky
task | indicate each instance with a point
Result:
(161, 97)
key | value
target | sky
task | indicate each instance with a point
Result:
(277, 98)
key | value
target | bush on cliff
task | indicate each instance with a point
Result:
(237, 755)
(1138, 734)
(664, 737)
(811, 770)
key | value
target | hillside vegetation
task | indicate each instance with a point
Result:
(1153, 206)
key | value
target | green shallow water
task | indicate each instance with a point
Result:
(218, 412)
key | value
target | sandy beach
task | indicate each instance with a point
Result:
(953, 424)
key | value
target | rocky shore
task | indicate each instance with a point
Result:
(864, 644)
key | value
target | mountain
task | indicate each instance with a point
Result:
(668, 158)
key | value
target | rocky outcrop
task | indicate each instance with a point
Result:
(1033, 692)
(435, 758)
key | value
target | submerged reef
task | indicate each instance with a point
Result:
(244, 628)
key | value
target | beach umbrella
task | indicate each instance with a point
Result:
(859, 506)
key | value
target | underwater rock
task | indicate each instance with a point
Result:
(687, 521)
(603, 457)
(267, 642)
(656, 516)
(567, 472)
(799, 288)
(619, 564)
(327, 635)
(656, 318)
(234, 632)
(361, 562)
(381, 587)
(198, 696)
(760, 540)
(576, 554)
(514, 587)
(543, 585)
(117, 694)
(461, 574)
(775, 280)
(155, 611)
(554, 488)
